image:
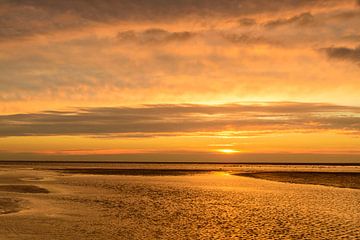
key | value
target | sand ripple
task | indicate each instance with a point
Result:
(219, 207)
(203, 206)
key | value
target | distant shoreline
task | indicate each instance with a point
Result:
(31, 162)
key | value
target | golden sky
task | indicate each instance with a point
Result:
(189, 80)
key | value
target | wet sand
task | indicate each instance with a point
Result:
(9, 205)
(166, 203)
(22, 189)
(335, 179)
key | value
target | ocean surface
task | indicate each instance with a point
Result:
(186, 201)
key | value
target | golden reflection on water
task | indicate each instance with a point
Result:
(222, 174)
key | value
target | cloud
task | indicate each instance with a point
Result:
(247, 21)
(154, 35)
(247, 39)
(184, 119)
(303, 19)
(99, 52)
(21, 18)
(143, 9)
(352, 37)
(343, 53)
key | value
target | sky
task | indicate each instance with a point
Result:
(159, 80)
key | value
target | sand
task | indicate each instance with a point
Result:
(43, 203)
(335, 179)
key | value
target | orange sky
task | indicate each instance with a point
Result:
(126, 78)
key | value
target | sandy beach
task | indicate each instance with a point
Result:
(179, 202)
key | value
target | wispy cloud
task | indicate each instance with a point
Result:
(153, 36)
(303, 19)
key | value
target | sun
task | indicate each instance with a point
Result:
(228, 151)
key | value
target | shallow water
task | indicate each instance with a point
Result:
(201, 206)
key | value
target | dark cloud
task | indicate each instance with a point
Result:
(247, 39)
(346, 15)
(163, 120)
(344, 53)
(21, 18)
(352, 37)
(18, 21)
(154, 35)
(303, 19)
(247, 22)
(143, 9)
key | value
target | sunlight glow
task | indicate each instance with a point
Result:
(228, 151)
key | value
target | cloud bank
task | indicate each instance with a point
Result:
(185, 119)
(98, 52)
(26, 17)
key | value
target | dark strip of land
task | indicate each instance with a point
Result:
(335, 179)
(133, 172)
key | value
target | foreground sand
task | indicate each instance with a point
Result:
(172, 204)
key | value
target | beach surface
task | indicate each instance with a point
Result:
(178, 201)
